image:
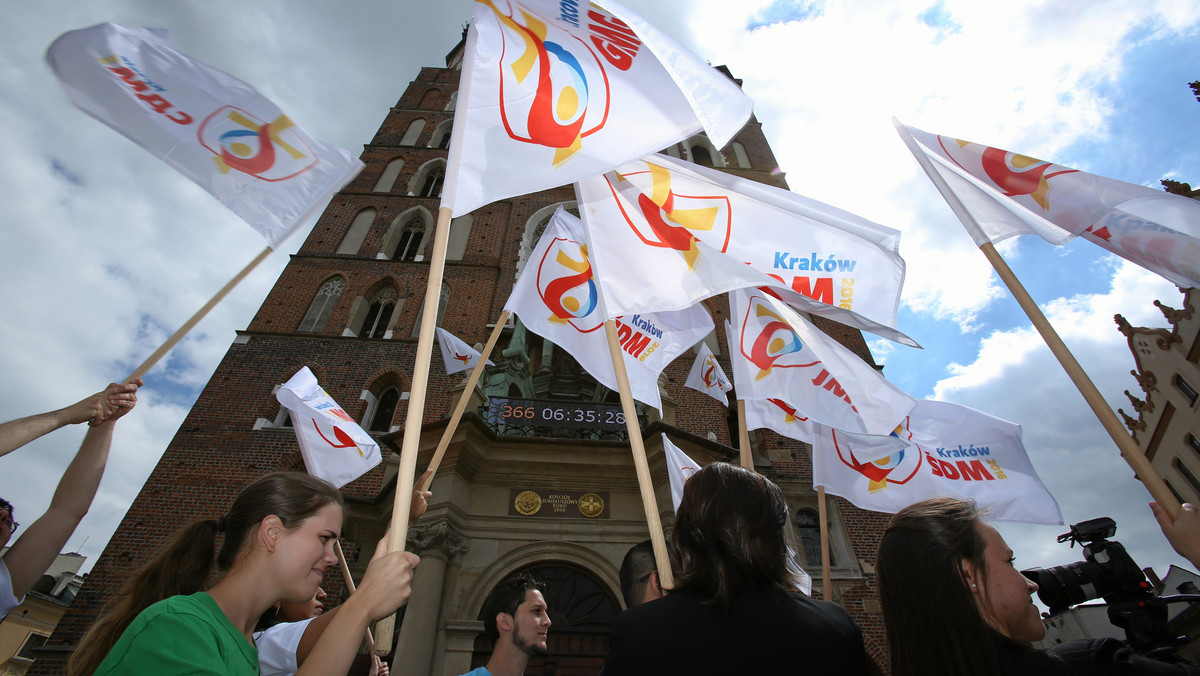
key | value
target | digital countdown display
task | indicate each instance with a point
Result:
(507, 411)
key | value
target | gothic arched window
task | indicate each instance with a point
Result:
(385, 410)
(410, 239)
(432, 185)
(322, 305)
(357, 232)
(387, 179)
(808, 527)
(375, 322)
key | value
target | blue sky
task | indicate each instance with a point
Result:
(106, 252)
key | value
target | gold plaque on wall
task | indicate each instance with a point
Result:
(557, 503)
(591, 505)
(527, 503)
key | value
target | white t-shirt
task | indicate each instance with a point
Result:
(7, 600)
(277, 648)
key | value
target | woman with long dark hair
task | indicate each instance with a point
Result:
(278, 539)
(956, 605)
(735, 607)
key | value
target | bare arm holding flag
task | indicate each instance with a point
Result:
(94, 410)
(33, 553)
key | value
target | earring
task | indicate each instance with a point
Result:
(972, 585)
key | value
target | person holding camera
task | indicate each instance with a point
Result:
(954, 603)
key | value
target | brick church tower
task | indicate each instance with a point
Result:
(347, 306)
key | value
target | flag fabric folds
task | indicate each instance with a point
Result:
(777, 354)
(781, 417)
(680, 468)
(554, 91)
(1012, 194)
(955, 451)
(557, 298)
(457, 355)
(666, 233)
(211, 127)
(334, 447)
(708, 377)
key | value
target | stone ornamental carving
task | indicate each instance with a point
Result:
(1174, 316)
(1139, 405)
(441, 536)
(1134, 424)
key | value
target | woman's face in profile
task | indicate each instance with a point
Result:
(1006, 593)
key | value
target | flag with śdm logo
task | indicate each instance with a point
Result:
(557, 297)
(334, 447)
(1012, 194)
(210, 126)
(553, 91)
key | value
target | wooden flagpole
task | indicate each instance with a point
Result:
(406, 474)
(191, 323)
(744, 437)
(462, 400)
(658, 541)
(1128, 447)
(826, 578)
(337, 547)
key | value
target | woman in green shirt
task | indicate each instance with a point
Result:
(278, 541)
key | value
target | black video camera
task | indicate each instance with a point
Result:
(1107, 572)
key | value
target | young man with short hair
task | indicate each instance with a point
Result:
(515, 617)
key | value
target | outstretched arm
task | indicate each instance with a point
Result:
(28, 559)
(94, 410)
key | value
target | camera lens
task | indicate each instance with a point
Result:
(1061, 587)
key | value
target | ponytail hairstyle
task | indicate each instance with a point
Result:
(934, 625)
(184, 564)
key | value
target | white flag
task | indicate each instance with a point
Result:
(211, 127)
(1011, 194)
(457, 355)
(334, 447)
(557, 298)
(708, 377)
(666, 233)
(553, 91)
(956, 451)
(782, 418)
(680, 468)
(777, 354)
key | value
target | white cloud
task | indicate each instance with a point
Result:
(1015, 377)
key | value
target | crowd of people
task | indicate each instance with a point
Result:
(953, 602)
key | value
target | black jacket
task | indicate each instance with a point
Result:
(766, 632)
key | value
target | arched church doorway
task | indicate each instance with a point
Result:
(581, 612)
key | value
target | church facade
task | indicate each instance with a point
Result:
(562, 502)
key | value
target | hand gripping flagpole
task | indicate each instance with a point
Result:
(463, 399)
(657, 540)
(1130, 451)
(195, 319)
(385, 629)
